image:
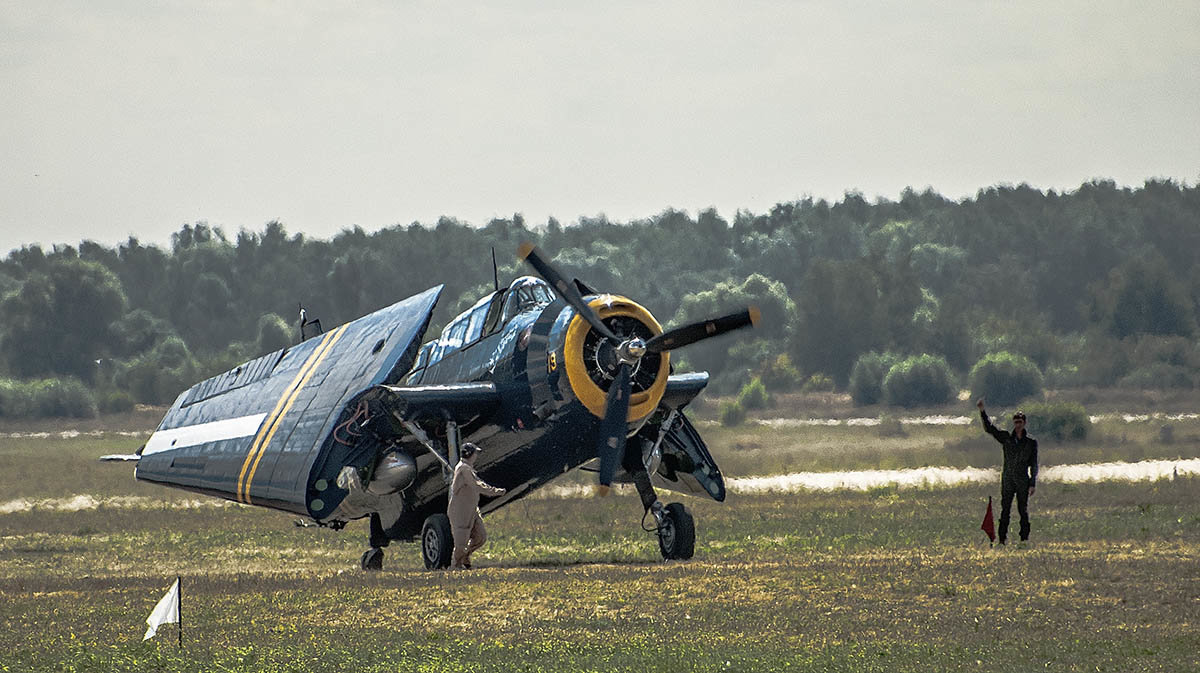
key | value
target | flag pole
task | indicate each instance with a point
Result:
(179, 608)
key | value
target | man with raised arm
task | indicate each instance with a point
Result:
(1019, 474)
(466, 524)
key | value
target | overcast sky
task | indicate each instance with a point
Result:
(133, 118)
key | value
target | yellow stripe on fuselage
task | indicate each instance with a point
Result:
(270, 419)
(324, 350)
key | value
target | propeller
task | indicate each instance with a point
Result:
(628, 351)
(565, 288)
(698, 331)
(611, 440)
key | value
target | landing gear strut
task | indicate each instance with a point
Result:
(372, 559)
(674, 525)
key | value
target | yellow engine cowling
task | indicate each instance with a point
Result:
(588, 391)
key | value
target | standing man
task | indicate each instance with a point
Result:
(466, 524)
(1020, 470)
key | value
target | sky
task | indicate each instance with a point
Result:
(122, 119)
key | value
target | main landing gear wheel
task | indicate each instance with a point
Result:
(372, 559)
(677, 533)
(437, 542)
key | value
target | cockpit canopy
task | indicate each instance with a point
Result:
(523, 294)
(487, 316)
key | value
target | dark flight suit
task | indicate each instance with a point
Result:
(1019, 474)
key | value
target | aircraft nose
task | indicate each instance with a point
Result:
(594, 361)
(631, 351)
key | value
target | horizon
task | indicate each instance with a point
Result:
(540, 226)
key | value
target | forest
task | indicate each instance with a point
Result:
(1095, 287)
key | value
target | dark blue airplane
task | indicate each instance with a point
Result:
(545, 375)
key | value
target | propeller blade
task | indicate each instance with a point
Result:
(564, 288)
(611, 445)
(698, 331)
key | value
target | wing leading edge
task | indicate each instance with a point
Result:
(460, 401)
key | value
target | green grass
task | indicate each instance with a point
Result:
(886, 580)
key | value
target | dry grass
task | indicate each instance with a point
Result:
(887, 580)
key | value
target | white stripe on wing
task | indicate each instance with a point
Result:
(203, 433)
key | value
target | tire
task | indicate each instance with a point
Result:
(437, 542)
(372, 559)
(677, 536)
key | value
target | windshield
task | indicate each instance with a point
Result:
(524, 294)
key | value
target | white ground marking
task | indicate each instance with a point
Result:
(855, 480)
(949, 420)
(1146, 470)
(72, 434)
(860, 480)
(76, 503)
(922, 477)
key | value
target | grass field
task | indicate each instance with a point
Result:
(886, 580)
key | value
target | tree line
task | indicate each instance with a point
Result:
(1098, 286)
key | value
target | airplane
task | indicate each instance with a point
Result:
(546, 375)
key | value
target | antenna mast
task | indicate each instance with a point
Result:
(495, 271)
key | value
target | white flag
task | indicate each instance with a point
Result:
(166, 612)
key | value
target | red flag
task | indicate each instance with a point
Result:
(988, 526)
